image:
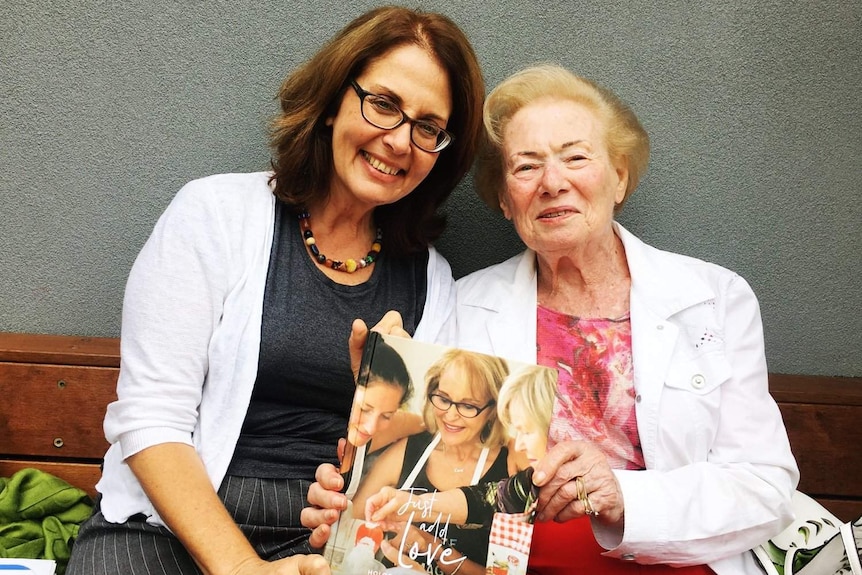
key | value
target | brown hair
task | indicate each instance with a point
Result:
(627, 141)
(485, 373)
(302, 143)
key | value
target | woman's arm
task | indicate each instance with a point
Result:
(176, 482)
(735, 489)
(393, 505)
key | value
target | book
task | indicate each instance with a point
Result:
(24, 566)
(437, 465)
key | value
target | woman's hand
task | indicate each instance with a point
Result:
(385, 504)
(561, 499)
(327, 502)
(296, 565)
(391, 323)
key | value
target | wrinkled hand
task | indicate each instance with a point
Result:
(296, 565)
(327, 502)
(391, 324)
(558, 494)
(384, 505)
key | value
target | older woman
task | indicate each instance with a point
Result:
(235, 382)
(665, 418)
(665, 433)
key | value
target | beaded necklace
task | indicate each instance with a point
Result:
(349, 265)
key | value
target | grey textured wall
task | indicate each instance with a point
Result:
(754, 109)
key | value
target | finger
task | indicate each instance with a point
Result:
(310, 564)
(553, 499)
(314, 517)
(328, 477)
(573, 510)
(355, 344)
(392, 324)
(321, 499)
(562, 453)
(319, 536)
(381, 505)
(391, 552)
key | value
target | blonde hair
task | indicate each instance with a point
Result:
(485, 374)
(626, 140)
(534, 388)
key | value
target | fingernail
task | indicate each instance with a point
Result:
(539, 477)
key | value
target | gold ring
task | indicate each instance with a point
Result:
(584, 497)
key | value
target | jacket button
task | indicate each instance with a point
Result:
(638, 398)
(697, 381)
(628, 557)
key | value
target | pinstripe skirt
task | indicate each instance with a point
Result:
(266, 510)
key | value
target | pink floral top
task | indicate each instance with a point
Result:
(596, 383)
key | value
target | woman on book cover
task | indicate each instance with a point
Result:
(464, 445)
(377, 417)
(524, 407)
(669, 455)
(236, 383)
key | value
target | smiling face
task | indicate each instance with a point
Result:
(378, 401)
(373, 166)
(561, 185)
(454, 428)
(530, 438)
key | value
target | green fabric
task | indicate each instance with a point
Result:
(39, 516)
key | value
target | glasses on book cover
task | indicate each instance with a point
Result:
(467, 410)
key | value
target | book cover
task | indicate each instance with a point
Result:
(438, 461)
(24, 566)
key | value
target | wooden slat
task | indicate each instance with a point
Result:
(825, 440)
(60, 349)
(81, 475)
(55, 410)
(816, 389)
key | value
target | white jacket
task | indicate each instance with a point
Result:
(720, 473)
(191, 331)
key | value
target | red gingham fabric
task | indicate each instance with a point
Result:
(512, 530)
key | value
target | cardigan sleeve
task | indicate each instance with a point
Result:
(172, 303)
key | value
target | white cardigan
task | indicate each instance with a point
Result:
(720, 473)
(191, 331)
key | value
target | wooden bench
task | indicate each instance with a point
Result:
(56, 389)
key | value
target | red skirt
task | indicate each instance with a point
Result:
(570, 548)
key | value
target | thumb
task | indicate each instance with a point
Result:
(358, 336)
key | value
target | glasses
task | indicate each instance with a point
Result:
(467, 410)
(383, 113)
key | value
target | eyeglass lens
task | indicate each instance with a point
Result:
(466, 409)
(384, 113)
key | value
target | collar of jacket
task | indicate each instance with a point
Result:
(662, 285)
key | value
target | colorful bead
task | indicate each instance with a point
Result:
(349, 265)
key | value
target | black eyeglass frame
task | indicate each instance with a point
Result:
(458, 405)
(448, 137)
